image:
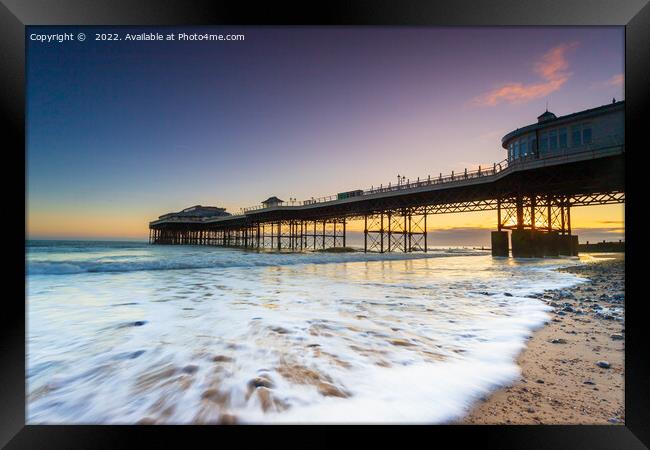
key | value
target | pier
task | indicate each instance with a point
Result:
(552, 166)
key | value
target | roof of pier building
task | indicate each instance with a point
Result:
(198, 211)
(272, 201)
(546, 116)
(548, 119)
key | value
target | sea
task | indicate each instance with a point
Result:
(127, 333)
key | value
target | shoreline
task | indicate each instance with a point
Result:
(561, 381)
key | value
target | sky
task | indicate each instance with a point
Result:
(120, 132)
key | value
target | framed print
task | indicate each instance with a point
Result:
(355, 214)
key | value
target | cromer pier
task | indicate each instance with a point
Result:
(552, 166)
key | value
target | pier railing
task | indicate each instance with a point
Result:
(391, 187)
(596, 149)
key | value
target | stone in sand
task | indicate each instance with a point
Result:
(603, 364)
(329, 390)
(227, 419)
(260, 382)
(280, 330)
(264, 396)
(191, 368)
(146, 421)
(216, 396)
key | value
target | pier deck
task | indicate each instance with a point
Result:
(531, 196)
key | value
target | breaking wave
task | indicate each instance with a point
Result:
(130, 257)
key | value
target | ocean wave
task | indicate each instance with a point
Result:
(217, 259)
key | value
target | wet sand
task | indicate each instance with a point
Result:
(561, 380)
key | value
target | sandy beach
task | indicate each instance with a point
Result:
(572, 368)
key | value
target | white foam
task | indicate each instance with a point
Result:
(82, 336)
(66, 260)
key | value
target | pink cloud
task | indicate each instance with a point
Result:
(552, 68)
(616, 80)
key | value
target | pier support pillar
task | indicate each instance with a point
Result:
(535, 244)
(524, 244)
(500, 243)
(574, 245)
(425, 232)
(365, 233)
(568, 245)
(548, 243)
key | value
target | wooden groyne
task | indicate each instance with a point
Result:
(603, 247)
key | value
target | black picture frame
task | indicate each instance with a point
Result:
(634, 15)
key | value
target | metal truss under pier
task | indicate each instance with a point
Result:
(395, 231)
(541, 224)
(295, 235)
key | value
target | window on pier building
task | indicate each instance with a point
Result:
(516, 146)
(563, 138)
(543, 143)
(575, 136)
(511, 155)
(552, 140)
(586, 134)
(523, 149)
(533, 145)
